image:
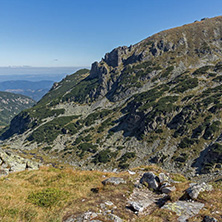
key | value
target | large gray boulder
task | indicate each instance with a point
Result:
(194, 189)
(151, 180)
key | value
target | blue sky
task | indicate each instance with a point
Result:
(54, 33)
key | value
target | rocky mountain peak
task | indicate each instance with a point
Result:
(188, 46)
(116, 56)
(158, 101)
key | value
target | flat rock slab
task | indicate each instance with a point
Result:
(113, 181)
(141, 199)
(184, 209)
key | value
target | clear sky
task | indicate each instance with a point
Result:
(44, 33)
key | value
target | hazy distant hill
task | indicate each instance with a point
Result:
(35, 90)
(11, 104)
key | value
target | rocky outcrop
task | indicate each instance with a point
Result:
(195, 189)
(10, 162)
(98, 71)
(154, 191)
(143, 198)
(116, 57)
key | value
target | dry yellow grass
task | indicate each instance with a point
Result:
(15, 189)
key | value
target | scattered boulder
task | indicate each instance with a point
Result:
(163, 178)
(131, 172)
(194, 189)
(184, 209)
(167, 188)
(108, 203)
(95, 221)
(114, 218)
(151, 180)
(139, 206)
(113, 181)
(4, 172)
(87, 216)
(209, 219)
(156, 183)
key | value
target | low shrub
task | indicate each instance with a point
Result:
(47, 197)
(104, 156)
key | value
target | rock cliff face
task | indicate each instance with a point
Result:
(158, 101)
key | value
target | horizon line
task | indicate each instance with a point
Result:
(43, 66)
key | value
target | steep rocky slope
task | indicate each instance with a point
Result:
(158, 101)
(11, 104)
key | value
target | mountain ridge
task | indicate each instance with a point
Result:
(157, 101)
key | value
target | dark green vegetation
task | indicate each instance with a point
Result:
(157, 101)
(81, 92)
(11, 104)
(86, 147)
(91, 118)
(185, 85)
(123, 160)
(59, 89)
(49, 131)
(104, 156)
(213, 158)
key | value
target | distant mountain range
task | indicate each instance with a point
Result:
(35, 90)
